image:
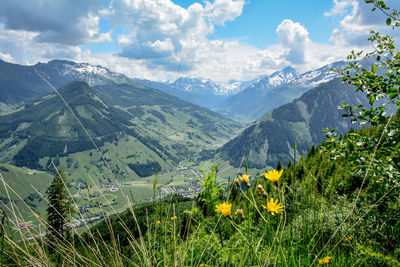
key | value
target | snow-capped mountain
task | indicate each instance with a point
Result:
(211, 94)
(275, 90)
(203, 92)
(206, 86)
(314, 78)
(276, 79)
(63, 71)
(242, 104)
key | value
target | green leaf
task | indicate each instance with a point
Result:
(388, 21)
(393, 95)
(374, 68)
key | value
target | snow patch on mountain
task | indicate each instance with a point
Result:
(71, 71)
(205, 86)
(316, 77)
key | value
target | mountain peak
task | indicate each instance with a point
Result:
(285, 72)
(289, 69)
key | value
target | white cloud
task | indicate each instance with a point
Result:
(294, 37)
(65, 22)
(339, 8)
(162, 33)
(221, 11)
(158, 30)
(156, 38)
(356, 21)
(7, 57)
(22, 47)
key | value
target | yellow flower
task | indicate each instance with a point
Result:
(202, 265)
(245, 178)
(325, 260)
(224, 208)
(158, 222)
(273, 206)
(351, 238)
(236, 181)
(173, 218)
(273, 175)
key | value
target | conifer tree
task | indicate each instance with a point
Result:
(58, 209)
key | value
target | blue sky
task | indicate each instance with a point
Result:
(215, 39)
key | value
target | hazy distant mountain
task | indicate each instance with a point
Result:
(272, 137)
(203, 92)
(242, 104)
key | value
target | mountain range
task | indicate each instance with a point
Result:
(248, 100)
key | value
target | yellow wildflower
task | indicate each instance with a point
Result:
(202, 265)
(325, 260)
(273, 175)
(245, 179)
(273, 206)
(173, 218)
(224, 208)
(158, 222)
(351, 238)
(236, 181)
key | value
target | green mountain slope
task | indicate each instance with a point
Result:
(19, 83)
(149, 130)
(24, 188)
(272, 138)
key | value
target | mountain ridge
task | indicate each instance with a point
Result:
(272, 138)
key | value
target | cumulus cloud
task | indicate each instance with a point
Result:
(156, 38)
(294, 37)
(163, 33)
(221, 11)
(22, 48)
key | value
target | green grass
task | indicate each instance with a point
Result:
(318, 220)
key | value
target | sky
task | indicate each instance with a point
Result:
(161, 40)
